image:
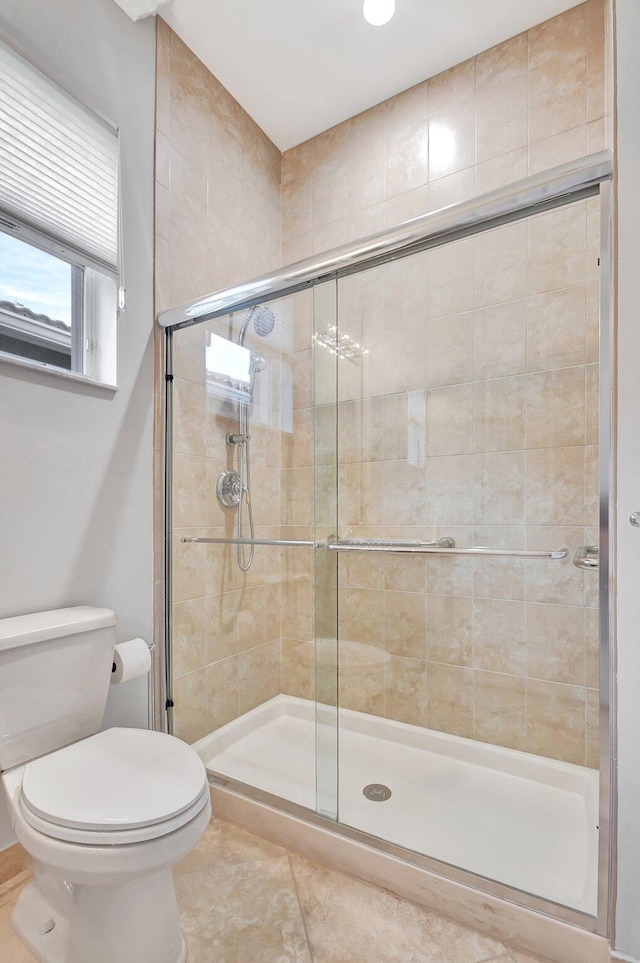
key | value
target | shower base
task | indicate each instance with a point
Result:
(522, 820)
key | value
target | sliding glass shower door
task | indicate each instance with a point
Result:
(467, 537)
(387, 514)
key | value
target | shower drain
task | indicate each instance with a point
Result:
(376, 792)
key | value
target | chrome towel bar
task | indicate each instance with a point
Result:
(442, 546)
(277, 542)
(426, 548)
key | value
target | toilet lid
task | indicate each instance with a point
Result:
(118, 779)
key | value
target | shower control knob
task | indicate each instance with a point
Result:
(635, 519)
(228, 489)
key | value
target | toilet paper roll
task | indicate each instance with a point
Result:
(131, 660)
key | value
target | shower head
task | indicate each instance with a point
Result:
(263, 321)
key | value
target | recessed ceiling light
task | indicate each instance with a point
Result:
(378, 12)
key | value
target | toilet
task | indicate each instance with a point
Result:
(104, 814)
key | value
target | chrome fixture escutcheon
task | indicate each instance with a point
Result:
(635, 519)
(229, 489)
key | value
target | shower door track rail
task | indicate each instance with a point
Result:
(540, 192)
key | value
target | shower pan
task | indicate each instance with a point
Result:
(412, 645)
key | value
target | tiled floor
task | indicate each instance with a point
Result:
(244, 900)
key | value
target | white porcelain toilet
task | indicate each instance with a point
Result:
(105, 815)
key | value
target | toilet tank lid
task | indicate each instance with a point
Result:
(43, 626)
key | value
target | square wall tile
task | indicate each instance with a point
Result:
(221, 625)
(499, 636)
(450, 699)
(222, 693)
(506, 62)
(408, 157)
(450, 274)
(188, 636)
(557, 249)
(452, 140)
(556, 408)
(405, 624)
(362, 616)
(556, 486)
(450, 350)
(450, 490)
(556, 721)
(500, 710)
(500, 334)
(499, 414)
(556, 329)
(556, 643)
(500, 488)
(502, 117)
(450, 629)
(557, 96)
(452, 86)
(501, 265)
(405, 690)
(450, 420)
(190, 698)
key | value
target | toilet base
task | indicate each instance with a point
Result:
(132, 922)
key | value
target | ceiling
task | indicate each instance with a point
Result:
(299, 67)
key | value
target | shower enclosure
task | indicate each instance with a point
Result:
(388, 478)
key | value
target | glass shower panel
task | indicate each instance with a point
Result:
(243, 633)
(468, 428)
(325, 428)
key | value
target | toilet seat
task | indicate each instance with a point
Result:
(119, 786)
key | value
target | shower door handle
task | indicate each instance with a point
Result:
(586, 557)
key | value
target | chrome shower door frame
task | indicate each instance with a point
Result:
(587, 177)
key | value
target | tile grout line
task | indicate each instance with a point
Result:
(300, 910)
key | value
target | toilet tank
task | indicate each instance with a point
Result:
(55, 669)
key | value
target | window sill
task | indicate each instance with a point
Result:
(50, 369)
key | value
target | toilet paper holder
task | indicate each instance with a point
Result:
(152, 646)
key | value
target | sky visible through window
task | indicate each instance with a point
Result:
(35, 279)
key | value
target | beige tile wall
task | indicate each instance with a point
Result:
(475, 411)
(218, 220)
(462, 419)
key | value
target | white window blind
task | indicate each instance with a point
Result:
(58, 163)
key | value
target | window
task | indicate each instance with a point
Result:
(59, 256)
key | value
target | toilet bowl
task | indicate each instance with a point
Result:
(105, 820)
(104, 815)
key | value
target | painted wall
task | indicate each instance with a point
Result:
(76, 476)
(628, 549)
